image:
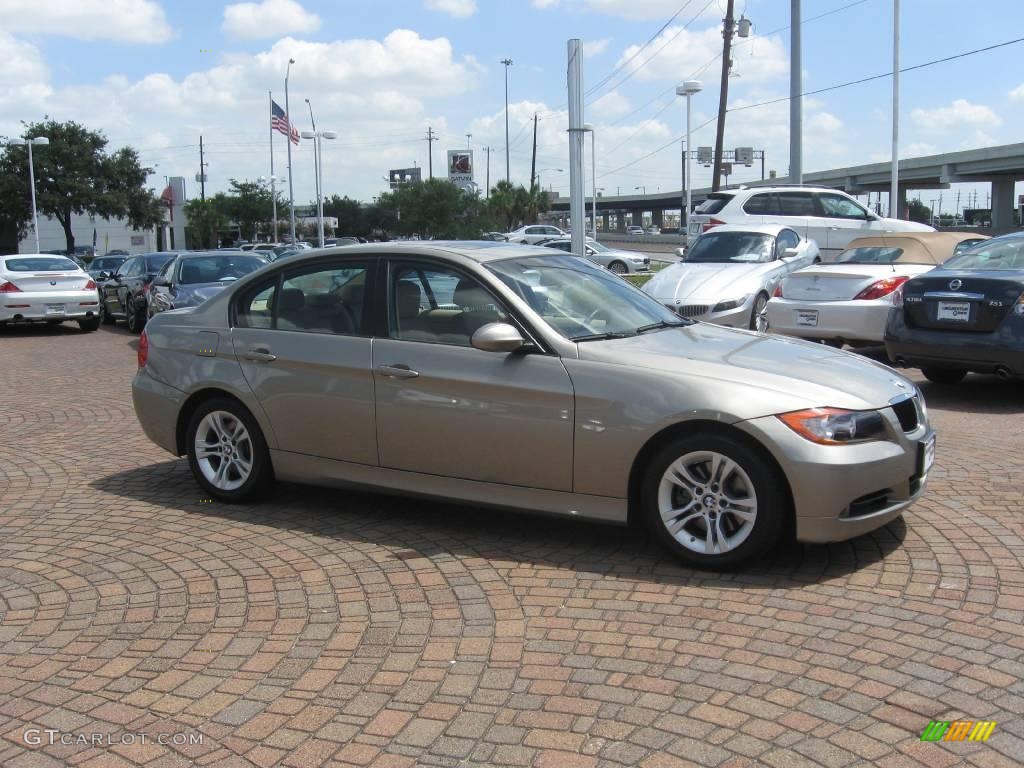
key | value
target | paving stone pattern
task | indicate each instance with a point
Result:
(323, 627)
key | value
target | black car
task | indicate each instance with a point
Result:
(966, 315)
(189, 279)
(124, 293)
(105, 263)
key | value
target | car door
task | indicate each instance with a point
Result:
(446, 408)
(301, 338)
(114, 288)
(845, 221)
(795, 209)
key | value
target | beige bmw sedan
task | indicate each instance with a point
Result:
(505, 375)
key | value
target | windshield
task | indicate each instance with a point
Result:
(104, 263)
(155, 263)
(599, 247)
(580, 300)
(991, 255)
(217, 269)
(42, 264)
(875, 254)
(731, 247)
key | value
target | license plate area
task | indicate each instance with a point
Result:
(807, 317)
(55, 309)
(925, 456)
(953, 311)
(696, 228)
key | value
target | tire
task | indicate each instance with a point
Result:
(759, 314)
(89, 325)
(105, 317)
(210, 423)
(136, 320)
(751, 480)
(945, 376)
(54, 322)
(618, 268)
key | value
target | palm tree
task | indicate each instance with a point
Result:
(516, 205)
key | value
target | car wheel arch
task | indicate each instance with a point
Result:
(195, 400)
(688, 429)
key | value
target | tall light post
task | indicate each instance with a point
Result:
(556, 170)
(641, 187)
(894, 181)
(589, 128)
(288, 116)
(687, 89)
(508, 174)
(41, 141)
(316, 167)
(318, 162)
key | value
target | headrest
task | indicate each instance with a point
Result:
(407, 298)
(469, 295)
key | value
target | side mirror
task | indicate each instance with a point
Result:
(161, 281)
(498, 337)
(106, 274)
(681, 253)
(790, 253)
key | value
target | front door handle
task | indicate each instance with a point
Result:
(397, 371)
(260, 355)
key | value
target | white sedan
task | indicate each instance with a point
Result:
(729, 273)
(848, 301)
(41, 288)
(532, 233)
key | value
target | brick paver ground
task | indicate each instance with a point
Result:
(331, 628)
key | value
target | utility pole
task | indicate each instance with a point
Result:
(533, 160)
(202, 171)
(894, 205)
(431, 138)
(723, 95)
(508, 173)
(796, 114)
(487, 194)
(577, 210)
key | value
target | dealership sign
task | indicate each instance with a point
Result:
(460, 167)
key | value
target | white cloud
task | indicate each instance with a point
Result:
(610, 106)
(595, 47)
(1017, 94)
(129, 21)
(634, 9)
(958, 116)
(457, 8)
(270, 18)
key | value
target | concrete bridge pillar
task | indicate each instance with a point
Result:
(1002, 203)
(638, 218)
(605, 221)
(657, 216)
(620, 222)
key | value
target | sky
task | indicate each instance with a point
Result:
(156, 75)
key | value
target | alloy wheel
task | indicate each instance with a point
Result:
(761, 314)
(223, 450)
(617, 267)
(707, 502)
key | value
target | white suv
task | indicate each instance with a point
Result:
(823, 214)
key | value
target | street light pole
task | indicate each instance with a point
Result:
(508, 174)
(589, 128)
(318, 137)
(687, 89)
(316, 174)
(894, 181)
(41, 141)
(288, 115)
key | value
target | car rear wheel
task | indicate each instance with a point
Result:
(713, 500)
(759, 314)
(227, 452)
(90, 324)
(944, 375)
(618, 268)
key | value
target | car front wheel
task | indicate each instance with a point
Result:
(618, 268)
(227, 452)
(759, 314)
(713, 501)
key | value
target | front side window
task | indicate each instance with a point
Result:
(581, 301)
(439, 305)
(131, 268)
(731, 247)
(839, 207)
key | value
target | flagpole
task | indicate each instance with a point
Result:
(288, 118)
(273, 191)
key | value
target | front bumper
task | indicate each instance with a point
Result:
(840, 492)
(49, 305)
(157, 406)
(737, 317)
(979, 352)
(841, 320)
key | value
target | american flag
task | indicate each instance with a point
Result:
(279, 122)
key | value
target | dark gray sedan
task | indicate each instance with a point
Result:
(189, 279)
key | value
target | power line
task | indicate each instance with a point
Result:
(884, 75)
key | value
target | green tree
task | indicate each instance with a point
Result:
(919, 212)
(206, 220)
(353, 218)
(517, 205)
(249, 204)
(75, 175)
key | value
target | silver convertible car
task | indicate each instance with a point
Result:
(514, 376)
(730, 272)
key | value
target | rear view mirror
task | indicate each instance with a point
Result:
(497, 337)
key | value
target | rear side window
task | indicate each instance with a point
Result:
(256, 306)
(761, 204)
(714, 203)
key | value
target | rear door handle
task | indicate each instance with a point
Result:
(397, 371)
(260, 355)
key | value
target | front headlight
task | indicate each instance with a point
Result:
(731, 303)
(835, 426)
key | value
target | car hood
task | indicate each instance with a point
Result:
(797, 374)
(708, 281)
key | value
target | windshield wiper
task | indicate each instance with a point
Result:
(604, 336)
(665, 324)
